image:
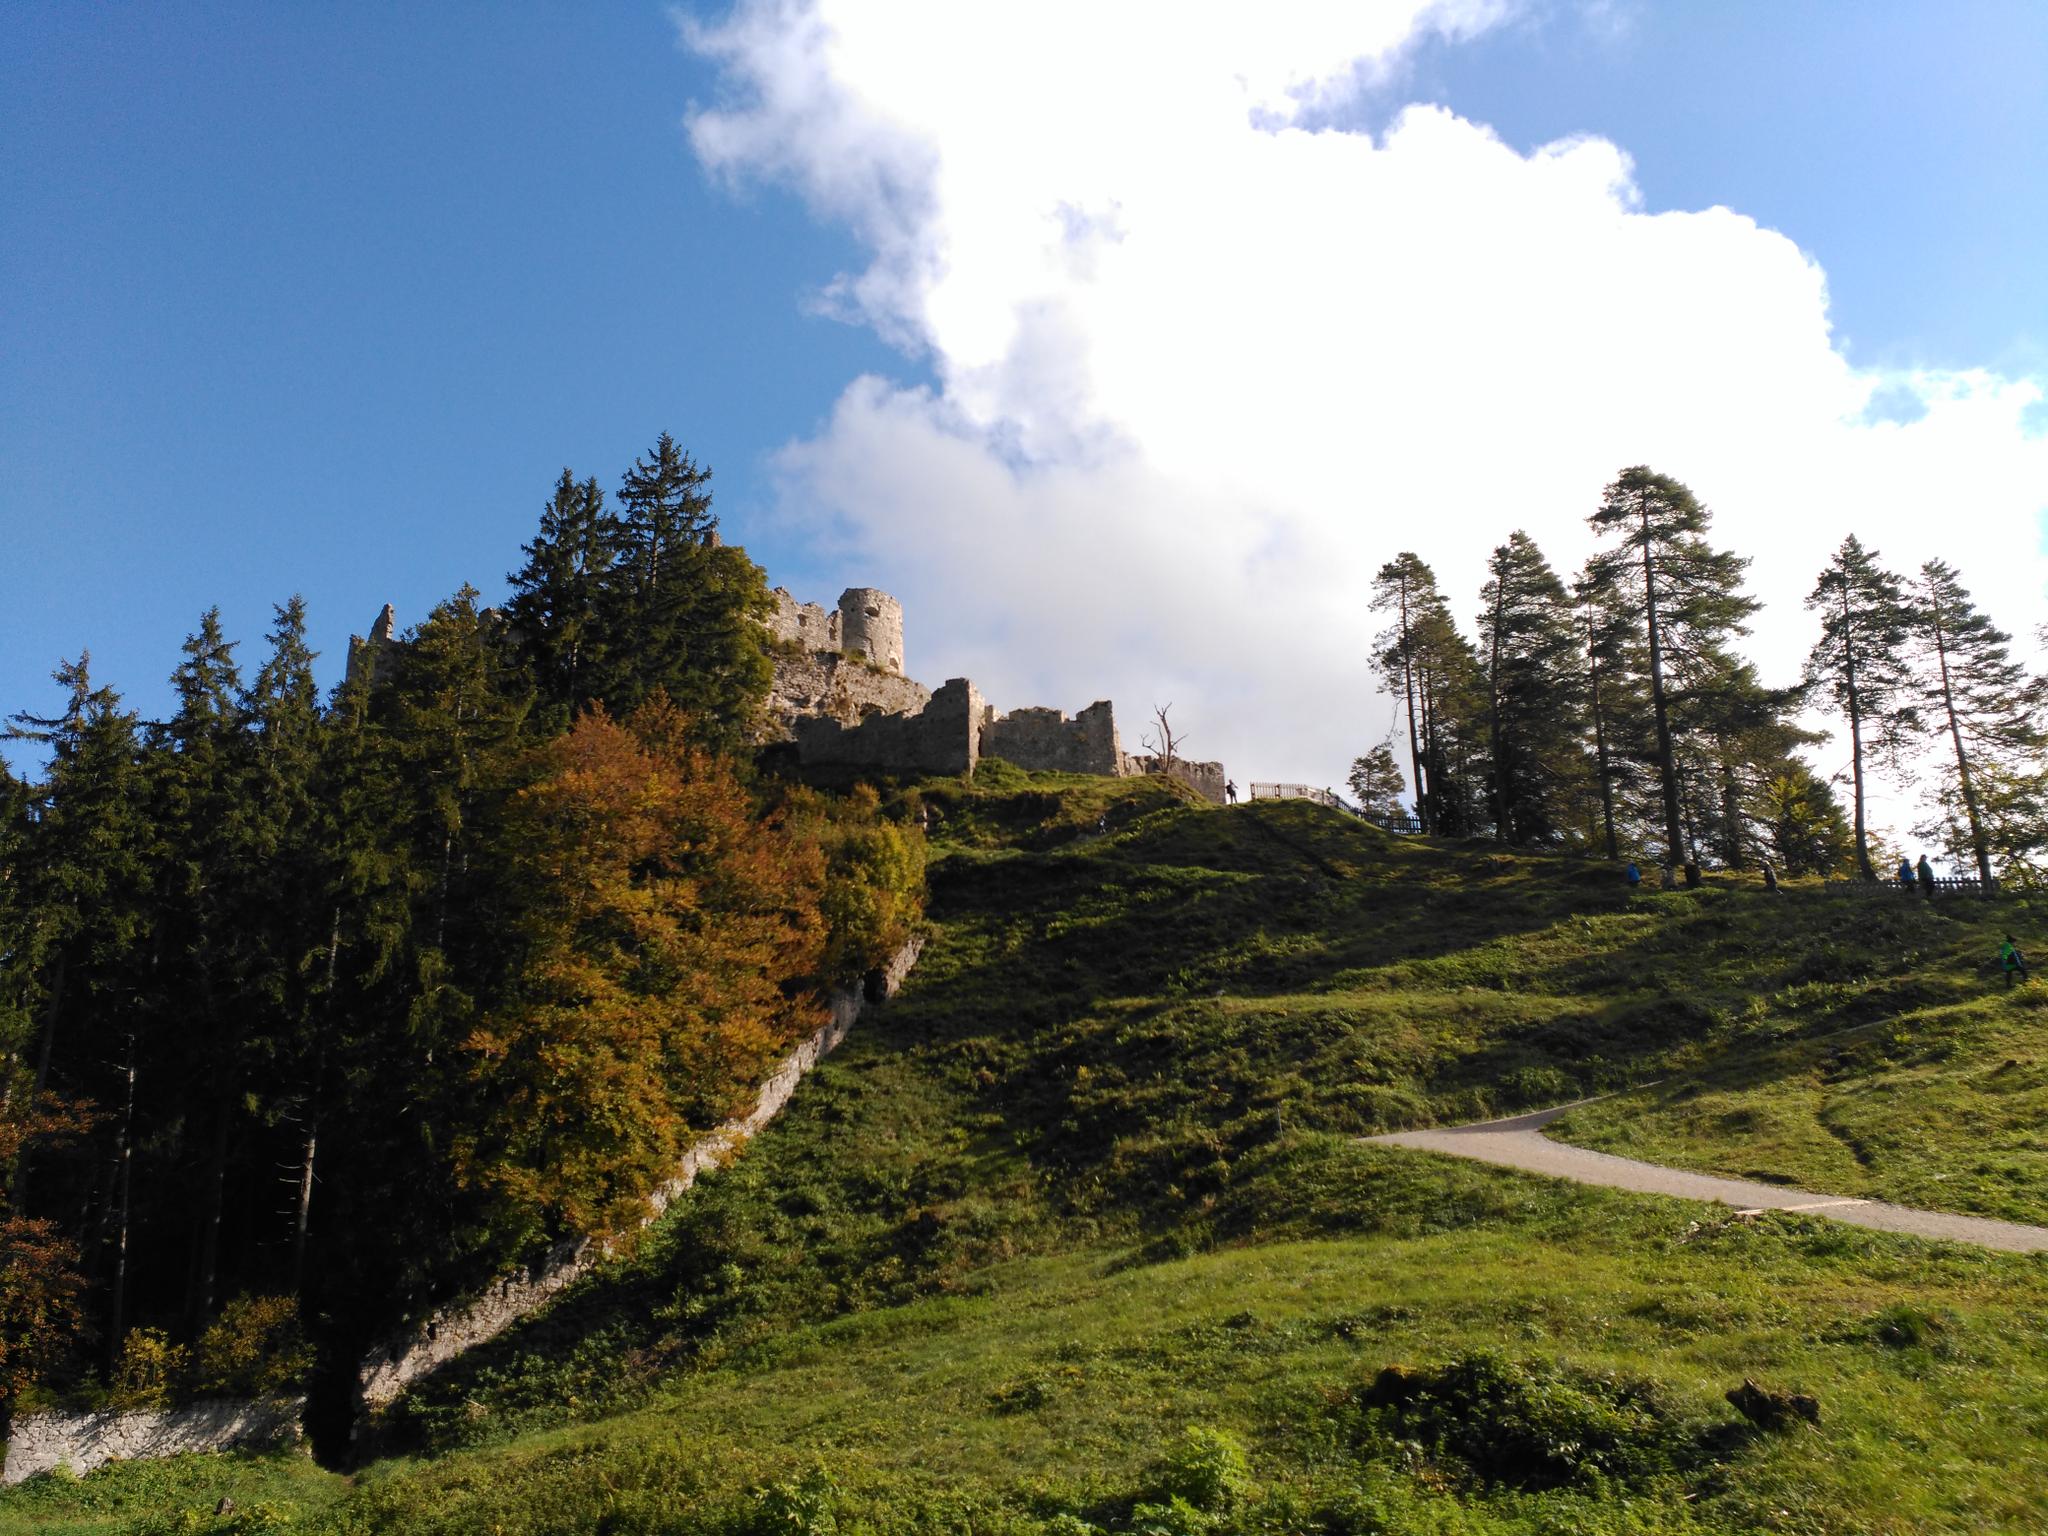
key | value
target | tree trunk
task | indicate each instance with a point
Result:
(1408, 698)
(1600, 744)
(1502, 819)
(1667, 766)
(1978, 843)
(1855, 735)
(302, 1218)
(209, 1235)
(117, 1298)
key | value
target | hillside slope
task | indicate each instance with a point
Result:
(1078, 1234)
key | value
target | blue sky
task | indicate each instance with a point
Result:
(321, 299)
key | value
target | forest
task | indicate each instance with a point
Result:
(1616, 715)
(314, 1012)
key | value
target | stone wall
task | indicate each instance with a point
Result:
(388, 1371)
(1045, 740)
(804, 624)
(836, 688)
(83, 1441)
(943, 737)
(1205, 779)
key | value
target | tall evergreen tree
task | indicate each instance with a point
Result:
(1616, 712)
(1535, 694)
(556, 613)
(1376, 780)
(1405, 590)
(681, 612)
(1804, 824)
(1981, 699)
(1683, 595)
(1861, 664)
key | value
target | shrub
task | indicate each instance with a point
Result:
(149, 1367)
(1530, 1426)
(253, 1349)
(1205, 1467)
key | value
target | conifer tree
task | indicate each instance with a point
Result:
(1535, 693)
(1684, 599)
(1404, 588)
(1982, 700)
(1376, 780)
(1616, 712)
(681, 613)
(1804, 824)
(1861, 664)
(557, 610)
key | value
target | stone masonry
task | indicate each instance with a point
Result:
(42, 1442)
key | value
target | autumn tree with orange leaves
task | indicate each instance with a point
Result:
(660, 919)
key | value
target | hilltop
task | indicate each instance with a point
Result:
(1078, 1233)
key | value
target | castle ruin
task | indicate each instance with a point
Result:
(841, 697)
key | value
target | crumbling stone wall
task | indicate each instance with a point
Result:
(1205, 779)
(1045, 740)
(804, 624)
(942, 737)
(83, 1441)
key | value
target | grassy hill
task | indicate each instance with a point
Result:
(1078, 1234)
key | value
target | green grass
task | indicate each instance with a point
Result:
(1094, 1180)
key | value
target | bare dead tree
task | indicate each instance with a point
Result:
(1162, 741)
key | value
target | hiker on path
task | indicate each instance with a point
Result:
(1926, 874)
(1632, 875)
(1905, 872)
(2011, 961)
(1770, 877)
(1230, 790)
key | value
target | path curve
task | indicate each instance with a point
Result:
(1519, 1142)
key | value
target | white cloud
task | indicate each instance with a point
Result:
(1201, 369)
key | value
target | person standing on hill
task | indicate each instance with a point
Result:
(1632, 875)
(1905, 873)
(1926, 876)
(2011, 961)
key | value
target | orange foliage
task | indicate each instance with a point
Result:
(665, 928)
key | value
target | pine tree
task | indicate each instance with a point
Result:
(1981, 699)
(1617, 715)
(1804, 823)
(1684, 599)
(557, 609)
(1404, 588)
(1535, 694)
(1376, 780)
(1861, 663)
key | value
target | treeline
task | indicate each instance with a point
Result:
(329, 1009)
(1615, 713)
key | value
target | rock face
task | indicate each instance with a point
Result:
(834, 687)
(364, 656)
(83, 1441)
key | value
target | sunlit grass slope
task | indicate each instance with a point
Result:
(1078, 1234)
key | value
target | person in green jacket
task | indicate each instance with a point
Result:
(2011, 961)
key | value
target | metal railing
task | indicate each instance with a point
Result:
(1391, 821)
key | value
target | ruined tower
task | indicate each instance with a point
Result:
(871, 625)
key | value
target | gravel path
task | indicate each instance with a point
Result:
(1519, 1142)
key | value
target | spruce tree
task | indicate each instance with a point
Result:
(1535, 693)
(556, 613)
(1376, 780)
(1981, 699)
(681, 612)
(1861, 664)
(1684, 599)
